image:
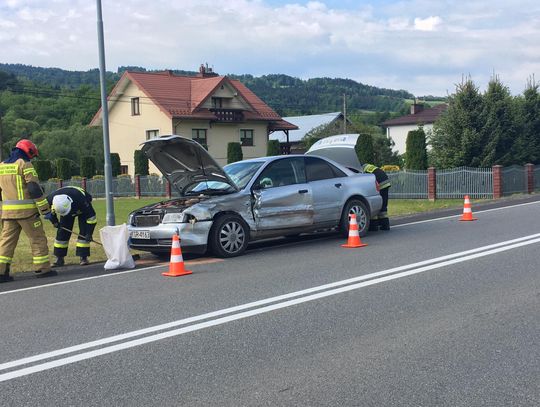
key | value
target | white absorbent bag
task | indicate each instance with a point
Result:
(115, 244)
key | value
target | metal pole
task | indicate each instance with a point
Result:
(344, 114)
(105, 120)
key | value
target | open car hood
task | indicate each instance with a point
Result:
(184, 162)
(339, 148)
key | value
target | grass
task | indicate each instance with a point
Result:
(123, 206)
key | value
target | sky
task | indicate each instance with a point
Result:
(424, 47)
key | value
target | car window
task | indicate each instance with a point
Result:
(241, 172)
(286, 171)
(318, 169)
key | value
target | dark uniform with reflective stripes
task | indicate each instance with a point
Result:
(22, 201)
(81, 207)
(384, 186)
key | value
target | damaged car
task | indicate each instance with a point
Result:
(222, 210)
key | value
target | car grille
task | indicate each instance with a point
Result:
(147, 220)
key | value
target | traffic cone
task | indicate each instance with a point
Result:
(176, 266)
(354, 236)
(467, 210)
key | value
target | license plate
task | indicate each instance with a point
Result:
(140, 234)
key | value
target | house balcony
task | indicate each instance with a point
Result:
(228, 115)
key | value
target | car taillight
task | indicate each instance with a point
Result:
(377, 186)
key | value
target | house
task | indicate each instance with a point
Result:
(398, 128)
(292, 140)
(211, 109)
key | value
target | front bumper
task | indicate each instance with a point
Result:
(193, 237)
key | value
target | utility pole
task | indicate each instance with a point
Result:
(105, 120)
(344, 114)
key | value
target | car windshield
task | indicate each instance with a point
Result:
(240, 173)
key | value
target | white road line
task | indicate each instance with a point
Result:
(329, 290)
(114, 274)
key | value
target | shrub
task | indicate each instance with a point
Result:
(364, 149)
(63, 168)
(390, 168)
(234, 152)
(115, 164)
(416, 152)
(141, 163)
(88, 166)
(44, 169)
(273, 148)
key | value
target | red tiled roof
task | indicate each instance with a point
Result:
(182, 96)
(426, 116)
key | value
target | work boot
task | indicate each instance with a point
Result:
(385, 224)
(45, 273)
(84, 261)
(4, 278)
(58, 262)
(373, 225)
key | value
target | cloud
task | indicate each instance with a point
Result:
(418, 45)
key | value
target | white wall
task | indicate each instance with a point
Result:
(399, 135)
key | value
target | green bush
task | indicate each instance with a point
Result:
(141, 163)
(115, 164)
(63, 168)
(364, 149)
(234, 152)
(416, 152)
(273, 148)
(88, 166)
(44, 169)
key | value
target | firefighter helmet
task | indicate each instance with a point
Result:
(28, 147)
(61, 204)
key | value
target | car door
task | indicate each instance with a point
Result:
(326, 182)
(281, 197)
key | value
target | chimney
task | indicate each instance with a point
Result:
(206, 72)
(416, 107)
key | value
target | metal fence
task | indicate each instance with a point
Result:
(408, 184)
(450, 183)
(514, 180)
(456, 182)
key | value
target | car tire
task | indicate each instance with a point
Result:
(359, 208)
(229, 236)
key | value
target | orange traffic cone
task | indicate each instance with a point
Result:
(176, 266)
(354, 237)
(467, 210)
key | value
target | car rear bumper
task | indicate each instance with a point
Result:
(375, 204)
(193, 237)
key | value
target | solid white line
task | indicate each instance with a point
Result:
(242, 315)
(455, 216)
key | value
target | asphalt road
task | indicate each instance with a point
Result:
(435, 312)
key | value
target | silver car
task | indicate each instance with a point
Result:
(223, 209)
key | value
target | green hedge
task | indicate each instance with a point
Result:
(88, 166)
(63, 168)
(273, 148)
(141, 163)
(234, 152)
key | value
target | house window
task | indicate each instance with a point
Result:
(199, 135)
(217, 103)
(123, 169)
(152, 134)
(135, 107)
(246, 137)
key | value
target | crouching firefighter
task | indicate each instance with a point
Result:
(70, 203)
(383, 182)
(22, 201)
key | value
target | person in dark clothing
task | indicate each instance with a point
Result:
(69, 203)
(381, 220)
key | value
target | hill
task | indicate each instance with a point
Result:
(288, 95)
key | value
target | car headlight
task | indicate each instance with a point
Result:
(130, 219)
(177, 217)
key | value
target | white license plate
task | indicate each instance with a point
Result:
(140, 234)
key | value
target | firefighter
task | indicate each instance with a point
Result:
(22, 201)
(381, 220)
(70, 203)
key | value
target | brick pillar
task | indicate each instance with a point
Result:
(60, 183)
(530, 178)
(169, 193)
(497, 181)
(138, 186)
(432, 183)
(83, 183)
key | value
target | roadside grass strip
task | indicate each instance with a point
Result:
(199, 322)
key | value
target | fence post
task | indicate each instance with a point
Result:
(138, 186)
(530, 178)
(169, 193)
(60, 183)
(497, 181)
(83, 183)
(432, 183)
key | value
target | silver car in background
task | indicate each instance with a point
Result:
(223, 209)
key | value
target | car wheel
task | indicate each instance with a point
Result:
(229, 236)
(362, 217)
